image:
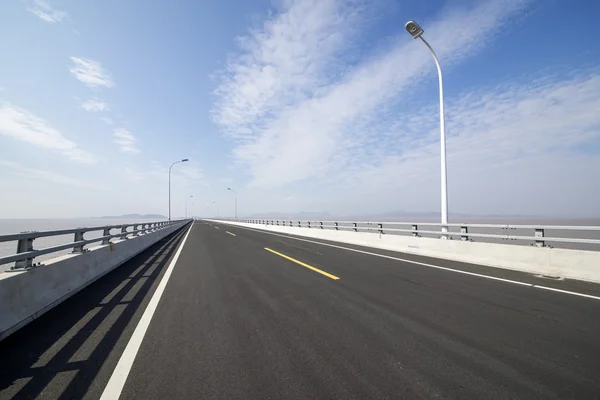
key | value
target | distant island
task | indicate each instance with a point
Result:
(136, 216)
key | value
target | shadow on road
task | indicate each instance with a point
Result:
(62, 353)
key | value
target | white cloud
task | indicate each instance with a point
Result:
(38, 174)
(91, 73)
(183, 173)
(107, 120)
(291, 102)
(126, 141)
(346, 131)
(21, 124)
(44, 10)
(94, 105)
(526, 147)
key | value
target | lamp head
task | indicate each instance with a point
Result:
(184, 160)
(414, 29)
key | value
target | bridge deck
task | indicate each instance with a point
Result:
(237, 321)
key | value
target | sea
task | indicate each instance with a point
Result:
(10, 226)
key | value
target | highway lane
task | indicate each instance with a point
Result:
(71, 351)
(239, 321)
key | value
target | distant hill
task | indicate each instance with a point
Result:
(136, 216)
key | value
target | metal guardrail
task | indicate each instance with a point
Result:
(462, 232)
(26, 253)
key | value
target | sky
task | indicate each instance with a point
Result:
(298, 105)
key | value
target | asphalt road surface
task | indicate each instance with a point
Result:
(222, 312)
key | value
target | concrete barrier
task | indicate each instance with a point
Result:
(565, 263)
(25, 295)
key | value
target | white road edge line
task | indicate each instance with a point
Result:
(114, 387)
(495, 278)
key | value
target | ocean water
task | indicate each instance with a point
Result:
(10, 226)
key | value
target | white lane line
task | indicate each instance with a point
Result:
(589, 296)
(495, 278)
(113, 389)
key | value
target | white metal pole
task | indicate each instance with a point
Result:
(176, 162)
(170, 188)
(235, 209)
(444, 182)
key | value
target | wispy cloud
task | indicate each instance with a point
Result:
(126, 141)
(94, 105)
(187, 172)
(91, 73)
(38, 174)
(107, 120)
(20, 124)
(534, 138)
(46, 12)
(295, 109)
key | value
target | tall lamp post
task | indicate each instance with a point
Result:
(235, 194)
(417, 33)
(176, 162)
(186, 208)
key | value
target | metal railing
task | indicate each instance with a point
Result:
(535, 235)
(25, 255)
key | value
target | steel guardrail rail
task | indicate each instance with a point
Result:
(538, 239)
(25, 254)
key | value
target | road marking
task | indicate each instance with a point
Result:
(232, 234)
(335, 278)
(216, 227)
(567, 292)
(113, 389)
(495, 278)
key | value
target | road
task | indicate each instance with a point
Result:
(223, 312)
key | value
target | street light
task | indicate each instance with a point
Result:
(186, 200)
(176, 162)
(235, 214)
(417, 33)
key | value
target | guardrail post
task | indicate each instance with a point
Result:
(337, 226)
(23, 246)
(277, 222)
(299, 224)
(415, 230)
(78, 238)
(355, 226)
(380, 228)
(124, 232)
(106, 232)
(309, 224)
(135, 228)
(463, 233)
(321, 224)
(539, 233)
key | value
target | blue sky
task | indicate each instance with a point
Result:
(300, 105)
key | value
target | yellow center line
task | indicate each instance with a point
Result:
(232, 234)
(335, 278)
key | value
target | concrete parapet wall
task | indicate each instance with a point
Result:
(25, 295)
(565, 263)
